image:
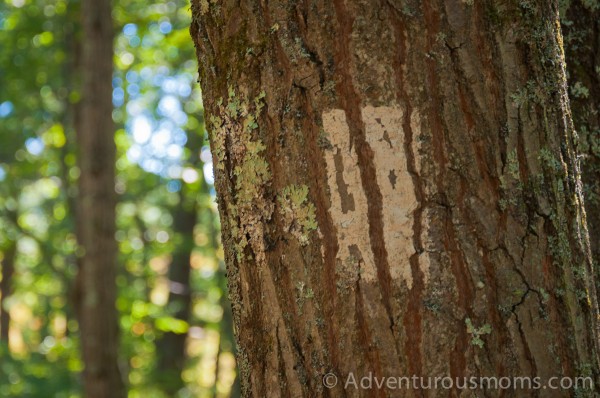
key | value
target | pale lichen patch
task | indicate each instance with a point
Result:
(425, 265)
(428, 245)
(205, 6)
(298, 212)
(348, 201)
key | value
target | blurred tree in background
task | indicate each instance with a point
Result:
(176, 333)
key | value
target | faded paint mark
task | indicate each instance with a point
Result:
(349, 209)
(384, 134)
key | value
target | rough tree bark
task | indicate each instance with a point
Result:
(97, 313)
(581, 27)
(399, 192)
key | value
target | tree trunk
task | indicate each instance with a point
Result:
(8, 269)
(226, 338)
(581, 26)
(171, 347)
(98, 318)
(399, 193)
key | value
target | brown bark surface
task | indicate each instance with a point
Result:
(581, 29)
(97, 313)
(399, 192)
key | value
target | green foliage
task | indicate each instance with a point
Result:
(162, 152)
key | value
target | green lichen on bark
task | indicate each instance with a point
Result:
(298, 212)
(218, 149)
(476, 333)
(238, 152)
(559, 242)
(205, 6)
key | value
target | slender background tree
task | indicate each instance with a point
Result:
(97, 311)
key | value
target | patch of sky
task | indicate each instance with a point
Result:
(147, 41)
(168, 106)
(189, 175)
(133, 89)
(179, 137)
(160, 139)
(205, 155)
(174, 151)
(6, 108)
(132, 77)
(180, 118)
(169, 85)
(166, 124)
(135, 108)
(130, 29)
(134, 153)
(184, 90)
(117, 82)
(146, 73)
(165, 27)
(134, 41)
(174, 186)
(208, 172)
(158, 79)
(157, 138)
(174, 171)
(141, 129)
(34, 146)
(118, 97)
(152, 165)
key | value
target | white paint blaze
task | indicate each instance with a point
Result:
(384, 133)
(349, 213)
(385, 136)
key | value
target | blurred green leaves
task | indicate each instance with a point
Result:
(156, 114)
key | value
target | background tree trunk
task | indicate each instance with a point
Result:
(171, 348)
(9, 254)
(399, 191)
(98, 318)
(581, 27)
